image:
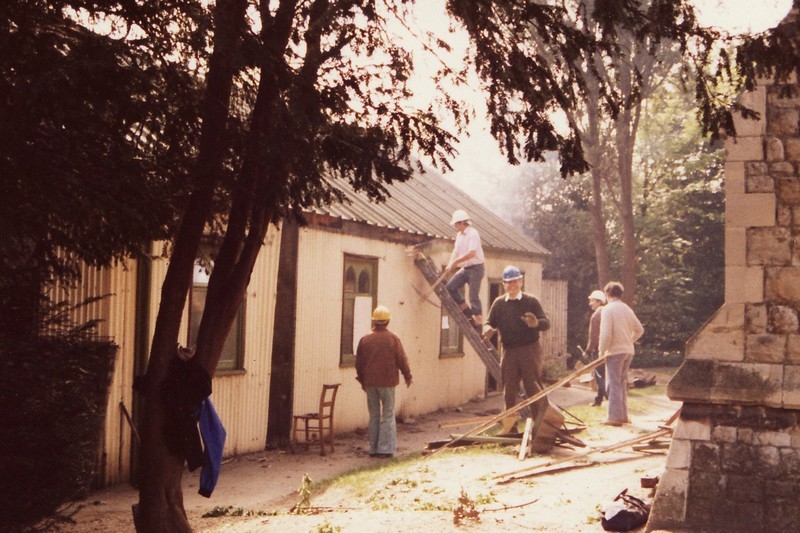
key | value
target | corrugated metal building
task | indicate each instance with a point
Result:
(308, 302)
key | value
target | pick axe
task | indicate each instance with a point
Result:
(434, 285)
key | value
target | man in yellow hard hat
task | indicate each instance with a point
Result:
(467, 256)
(380, 359)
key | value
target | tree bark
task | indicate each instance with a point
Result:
(595, 157)
(160, 507)
(626, 134)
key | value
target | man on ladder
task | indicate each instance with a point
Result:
(468, 256)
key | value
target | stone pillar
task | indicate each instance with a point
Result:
(734, 463)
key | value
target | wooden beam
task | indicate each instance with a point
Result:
(525, 403)
(650, 436)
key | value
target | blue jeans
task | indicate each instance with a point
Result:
(472, 276)
(382, 424)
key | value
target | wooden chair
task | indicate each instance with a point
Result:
(319, 423)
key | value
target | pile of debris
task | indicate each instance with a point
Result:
(553, 426)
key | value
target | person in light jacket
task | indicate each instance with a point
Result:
(619, 330)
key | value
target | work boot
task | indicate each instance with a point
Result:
(467, 310)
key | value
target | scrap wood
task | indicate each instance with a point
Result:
(526, 435)
(640, 379)
(613, 447)
(525, 403)
(568, 467)
(673, 418)
(509, 423)
(476, 439)
(489, 439)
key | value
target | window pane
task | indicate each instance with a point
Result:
(347, 318)
(350, 280)
(364, 286)
(232, 351)
(451, 340)
(196, 306)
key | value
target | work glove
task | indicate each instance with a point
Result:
(530, 319)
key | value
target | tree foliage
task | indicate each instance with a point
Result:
(124, 122)
(681, 219)
(679, 212)
(92, 164)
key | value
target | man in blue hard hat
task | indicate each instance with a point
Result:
(520, 319)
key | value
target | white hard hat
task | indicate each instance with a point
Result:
(600, 296)
(459, 215)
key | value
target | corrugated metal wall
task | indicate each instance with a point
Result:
(242, 400)
(438, 382)
(415, 321)
(116, 310)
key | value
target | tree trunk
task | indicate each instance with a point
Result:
(625, 141)
(595, 156)
(160, 507)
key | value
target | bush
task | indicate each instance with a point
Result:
(54, 395)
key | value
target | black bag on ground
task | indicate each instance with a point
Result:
(626, 513)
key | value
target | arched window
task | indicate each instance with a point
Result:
(359, 298)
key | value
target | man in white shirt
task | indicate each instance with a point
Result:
(468, 257)
(619, 330)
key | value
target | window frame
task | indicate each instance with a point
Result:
(348, 330)
(235, 343)
(450, 350)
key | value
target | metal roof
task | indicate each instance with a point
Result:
(424, 205)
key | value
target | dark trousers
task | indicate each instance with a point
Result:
(522, 363)
(600, 379)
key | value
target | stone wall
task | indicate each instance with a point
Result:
(733, 469)
(734, 462)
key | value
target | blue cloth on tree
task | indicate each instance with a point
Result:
(213, 434)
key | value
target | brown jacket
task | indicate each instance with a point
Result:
(380, 358)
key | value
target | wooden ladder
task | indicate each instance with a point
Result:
(483, 347)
